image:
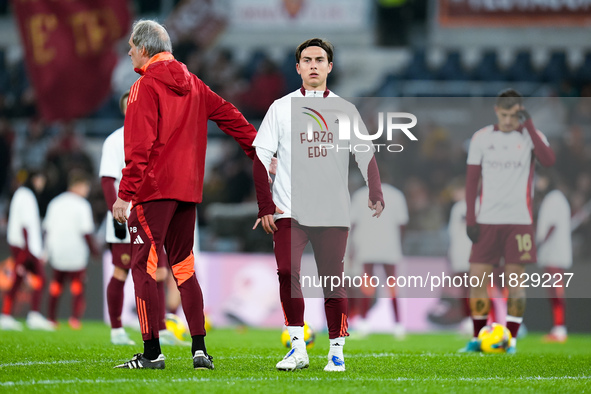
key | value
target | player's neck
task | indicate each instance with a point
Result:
(320, 88)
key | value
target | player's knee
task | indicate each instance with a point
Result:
(55, 289)
(161, 274)
(284, 273)
(120, 274)
(76, 287)
(37, 282)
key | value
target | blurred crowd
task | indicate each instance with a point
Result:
(423, 171)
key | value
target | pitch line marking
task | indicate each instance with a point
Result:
(302, 379)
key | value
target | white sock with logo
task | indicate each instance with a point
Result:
(336, 347)
(296, 335)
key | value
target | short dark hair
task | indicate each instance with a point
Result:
(315, 42)
(508, 98)
(76, 176)
(123, 101)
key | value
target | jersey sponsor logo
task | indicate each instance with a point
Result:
(125, 258)
(502, 165)
(138, 240)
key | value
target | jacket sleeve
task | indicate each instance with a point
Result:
(140, 133)
(230, 121)
(542, 149)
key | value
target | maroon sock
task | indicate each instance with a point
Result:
(395, 309)
(558, 305)
(115, 301)
(78, 299)
(37, 293)
(192, 301)
(513, 324)
(162, 305)
(478, 324)
(10, 296)
(52, 312)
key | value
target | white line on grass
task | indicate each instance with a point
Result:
(250, 356)
(303, 379)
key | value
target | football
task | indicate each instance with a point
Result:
(494, 338)
(177, 327)
(309, 337)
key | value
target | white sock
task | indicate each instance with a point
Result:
(513, 342)
(296, 333)
(336, 347)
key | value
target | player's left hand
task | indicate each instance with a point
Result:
(120, 210)
(377, 207)
(523, 114)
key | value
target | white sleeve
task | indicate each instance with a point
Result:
(475, 151)
(268, 134)
(362, 157)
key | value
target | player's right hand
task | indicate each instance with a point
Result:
(120, 229)
(473, 232)
(268, 222)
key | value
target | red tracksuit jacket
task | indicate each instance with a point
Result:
(166, 132)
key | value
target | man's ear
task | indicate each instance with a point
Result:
(298, 68)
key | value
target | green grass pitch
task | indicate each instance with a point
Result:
(82, 361)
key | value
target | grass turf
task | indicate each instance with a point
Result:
(82, 361)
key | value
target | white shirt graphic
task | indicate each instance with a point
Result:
(311, 184)
(507, 175)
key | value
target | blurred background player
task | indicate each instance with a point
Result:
(503, 155)
(118, 239)
(375, 244)
(26, 246)
(309, 219)
(68, 227)
(165, 143)
(454, 306)
(553, 238)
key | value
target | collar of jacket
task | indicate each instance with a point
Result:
(159, 57)
(324, 95)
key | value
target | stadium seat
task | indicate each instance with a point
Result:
(583, 74)
(522, 70)
(488, 68)
(452, 69)
(556, 68)
(292, 79)
(417, 68)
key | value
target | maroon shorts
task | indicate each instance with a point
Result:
(514, 242)
(122, 256)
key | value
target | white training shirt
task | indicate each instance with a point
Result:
(557, 251)
(24, 215)
(68, 220)
(378, 240)
(459, 243)
(507, 175)
(311, 183)
(112, 163)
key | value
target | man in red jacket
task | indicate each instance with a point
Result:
(165, 141)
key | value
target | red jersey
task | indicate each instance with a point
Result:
(165, 132)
